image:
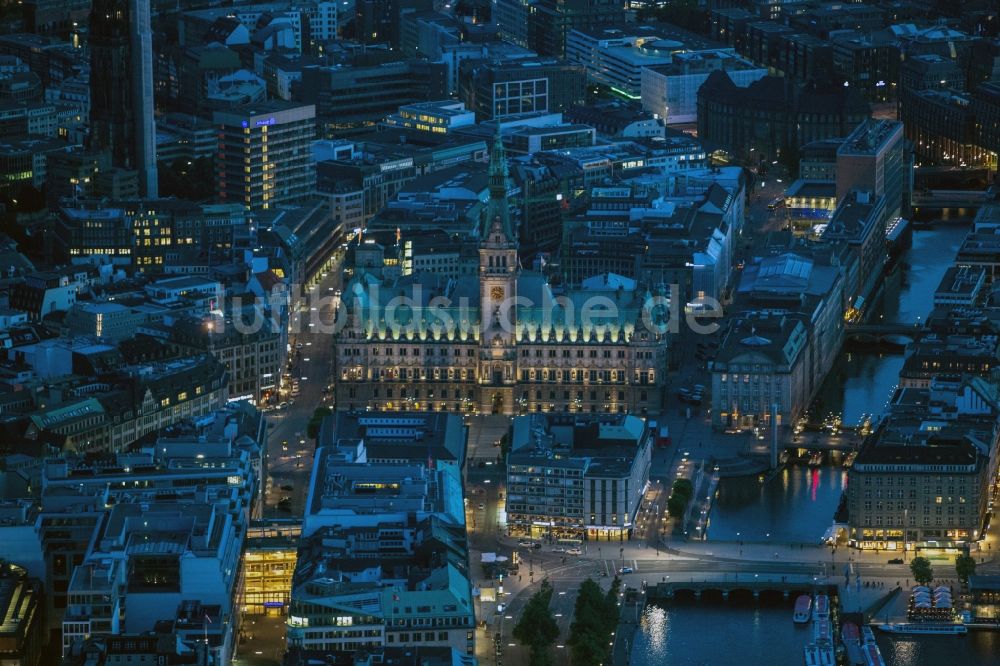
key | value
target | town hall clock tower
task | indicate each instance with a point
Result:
(498, 272)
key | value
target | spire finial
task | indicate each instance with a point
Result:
(498, 165)
(499, 185)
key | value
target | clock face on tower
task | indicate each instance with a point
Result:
(496, 293)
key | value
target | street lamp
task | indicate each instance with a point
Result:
(906, 514)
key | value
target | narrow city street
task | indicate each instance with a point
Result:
(289, 449)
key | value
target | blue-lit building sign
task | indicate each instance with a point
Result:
(260, 123)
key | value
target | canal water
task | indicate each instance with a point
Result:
(862, 383)
(736, 633)
(798, 505)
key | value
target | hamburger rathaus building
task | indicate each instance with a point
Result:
(502, 342)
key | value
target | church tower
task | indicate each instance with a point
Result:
(498, 272)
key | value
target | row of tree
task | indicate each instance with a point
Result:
(923, 572)
(595, 618)
(537, 629)
(680, 496)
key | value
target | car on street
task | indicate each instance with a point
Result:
(287, 487)
(558, 549)
(501, 608)
(574, 551)
(482, 507)
(625, 570)
(529, 544)
(896, 560)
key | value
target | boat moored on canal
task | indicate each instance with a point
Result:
(928, 628)
(822, 607)
(803, 606)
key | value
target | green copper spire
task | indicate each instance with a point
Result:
(499, 186)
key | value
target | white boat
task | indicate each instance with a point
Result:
(803, 605)
(812, 655)
(822, 607)
(826, 656)
(933, 628)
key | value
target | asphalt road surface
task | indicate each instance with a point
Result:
(290, 451)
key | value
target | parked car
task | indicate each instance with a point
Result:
(896, 560)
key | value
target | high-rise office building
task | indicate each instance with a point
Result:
(873, 158)
(550, 21)
(121, 87)
(264, 157)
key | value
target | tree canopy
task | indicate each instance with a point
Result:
(595, 618)
(921, 569)
(312, 428)
(537, 628)
(965, 566)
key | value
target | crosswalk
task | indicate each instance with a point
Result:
(613, 567)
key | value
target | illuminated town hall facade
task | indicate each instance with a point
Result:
(502, 342)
